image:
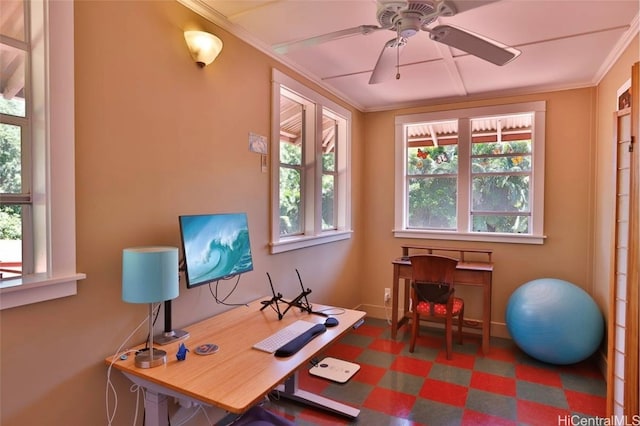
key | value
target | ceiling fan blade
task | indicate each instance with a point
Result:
(387, 60)
(312, 41)
(482, 47)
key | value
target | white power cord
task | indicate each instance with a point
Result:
(385, 303)
(110, 389)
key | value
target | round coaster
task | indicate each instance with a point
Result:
(207, 349)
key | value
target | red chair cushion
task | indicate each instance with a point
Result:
(440, 309)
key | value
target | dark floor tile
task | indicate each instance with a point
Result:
(469, 348)
(369, 417)
(501, 354)
(425, 353)
(542, 394)
(396, 380)
(457, 360)
(584, 384)
(450, 374)
(377, 358)
(357, 340)
(495, 367)
(492, 404)
(397, 388)
(393, 403)
(434, 413)
(352, 393)
(534, 414)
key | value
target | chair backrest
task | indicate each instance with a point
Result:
(432, 276)
(433, 268)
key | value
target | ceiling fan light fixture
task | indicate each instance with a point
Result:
(408, 26)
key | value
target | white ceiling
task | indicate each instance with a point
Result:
(564, 44)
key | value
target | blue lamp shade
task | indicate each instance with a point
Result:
(150, 274)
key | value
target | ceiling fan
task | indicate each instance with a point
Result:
(407, 18)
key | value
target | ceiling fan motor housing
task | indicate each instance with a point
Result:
(408, 18)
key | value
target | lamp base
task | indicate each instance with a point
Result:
(170, 337)
(147, 359)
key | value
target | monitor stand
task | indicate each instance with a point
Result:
(169, 335)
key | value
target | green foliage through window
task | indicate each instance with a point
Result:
(499, 170)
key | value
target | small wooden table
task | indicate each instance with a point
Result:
(469, 273)
(237, 376)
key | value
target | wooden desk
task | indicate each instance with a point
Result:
(468, 273)
(237, 376)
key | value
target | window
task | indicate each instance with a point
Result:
(474, 174)
(310, 158)
(37, 193)
(15, 131)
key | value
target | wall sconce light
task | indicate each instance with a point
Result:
(204, 47)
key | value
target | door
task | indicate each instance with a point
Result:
(622, 360)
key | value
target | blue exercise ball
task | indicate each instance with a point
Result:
(554, 321)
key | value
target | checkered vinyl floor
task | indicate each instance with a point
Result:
(396, 387)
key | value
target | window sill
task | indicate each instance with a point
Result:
(37, 288)
(462, 236)
(294, 243)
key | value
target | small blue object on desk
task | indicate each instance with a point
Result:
(182, 352)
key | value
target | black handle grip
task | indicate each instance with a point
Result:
(299, 342)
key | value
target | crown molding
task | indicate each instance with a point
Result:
(204, 9)
(618, 50)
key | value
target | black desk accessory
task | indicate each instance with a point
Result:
(274, 299)
(300, 301)
(299, 342)
(331, 322)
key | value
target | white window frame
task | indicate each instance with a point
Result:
(338, 135)
(312, 233)
(53, 161)
(464, 176)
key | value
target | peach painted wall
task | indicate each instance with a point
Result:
(568, 212)
(156, 137)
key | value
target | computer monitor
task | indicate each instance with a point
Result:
(215, 247)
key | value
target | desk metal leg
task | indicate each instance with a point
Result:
(291, 391)
(156, 409)
(156, 403)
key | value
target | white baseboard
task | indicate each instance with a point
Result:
(498, 329)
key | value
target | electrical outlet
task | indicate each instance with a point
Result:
(387, 295)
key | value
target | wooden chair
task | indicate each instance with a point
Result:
(432, 295)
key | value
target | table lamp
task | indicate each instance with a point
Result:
(150, 275)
